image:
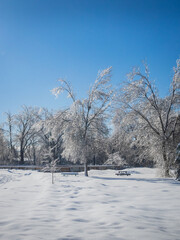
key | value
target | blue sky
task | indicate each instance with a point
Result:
(43, 40)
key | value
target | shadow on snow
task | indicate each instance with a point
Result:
(150, 180)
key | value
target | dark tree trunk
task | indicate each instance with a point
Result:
(94, 160)
(85, 156)
(21, 156)
(165, 158)
(85, 168)
(34, 156)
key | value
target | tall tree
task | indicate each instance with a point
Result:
(84, 116)
(159, 117)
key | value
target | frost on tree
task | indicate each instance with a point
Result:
(177, 162)
(50, 130)
(156, 118)
(25, 130)
(3, 147)
(85, 117)
(9, 130)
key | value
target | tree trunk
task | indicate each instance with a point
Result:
(84, 156)
(94, 160)
(34, 156)
(177, 162)
(21, 156)
(85, 168)
(166, 169)
(166, 163)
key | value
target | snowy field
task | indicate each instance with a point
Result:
(102, 206)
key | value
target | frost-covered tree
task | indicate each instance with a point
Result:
(177, 161)
(51, 165)
(25, 130)
(98, 144)
(126, 140)
(3, 148)
(9, 130)
(85, 117)
(138, 99)
(50, 131)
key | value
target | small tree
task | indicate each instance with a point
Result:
(25, 130)
(52, 163)
(84, 116)
(3, 148)
(9, 130)
(50, 131)
(10, 125)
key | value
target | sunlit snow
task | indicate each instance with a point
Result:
(101, 206)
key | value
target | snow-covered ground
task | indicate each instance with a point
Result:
(101, 206)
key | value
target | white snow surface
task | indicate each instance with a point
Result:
(101, 206)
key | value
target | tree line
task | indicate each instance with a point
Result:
(130, 125)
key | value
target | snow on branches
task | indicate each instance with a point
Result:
(85, 116)
(139, 100)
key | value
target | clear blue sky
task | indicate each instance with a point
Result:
(43, 40)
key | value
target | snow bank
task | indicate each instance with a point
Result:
(102, 206)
